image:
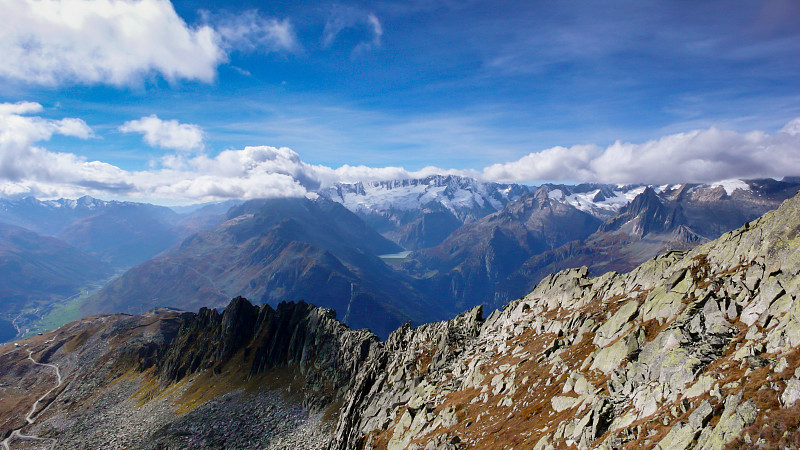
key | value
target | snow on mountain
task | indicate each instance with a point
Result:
(599, 200)
(83, 203)
(732, 185)
(604, 200)
(469, 199)
(466, 198)
(51, 217)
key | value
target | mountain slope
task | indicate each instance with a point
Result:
(122, 234)
(676, 218)
(691, 350)
(431, 229)
(469, 263)
(397, 208)
(275, 250)
(36, 269)
(52, 216)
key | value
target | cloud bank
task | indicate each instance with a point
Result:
(696, 156)
(28, 169)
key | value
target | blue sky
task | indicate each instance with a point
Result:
(464, 85)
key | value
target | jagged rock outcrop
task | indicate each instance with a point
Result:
(647, 214)
(407, 368)
(247, 377)
(325, 352)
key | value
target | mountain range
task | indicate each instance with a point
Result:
(657, 220)
(695, 349)
(273, 250)
(55, 250)
(419, 213)
(121, 234)
(384, 253)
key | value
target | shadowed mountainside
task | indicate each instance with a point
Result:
(691, 350)
(34, 269)
(276, 250)
(467, 265)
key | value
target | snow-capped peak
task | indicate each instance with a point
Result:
(461, 196)
(731, 185)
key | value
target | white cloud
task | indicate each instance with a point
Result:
(19, 108)
(166, 133)
(792, 128)
(696, 156)
(344, 17)
(29, 169)
(26, 168)
(103, 41)
(123, 42)
(253, 172)
(22, 161)
(252, 32)
(377, 34)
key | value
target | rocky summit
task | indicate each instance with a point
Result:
(697, 349)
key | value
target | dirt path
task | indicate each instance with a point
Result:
(30, 417)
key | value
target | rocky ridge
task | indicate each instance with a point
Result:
(689, 350)
(697, 349)
(249, 377)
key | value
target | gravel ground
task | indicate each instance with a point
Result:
(112, 419)
(241, 420)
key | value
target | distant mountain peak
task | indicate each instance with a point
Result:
(645, 214)
(395, 207)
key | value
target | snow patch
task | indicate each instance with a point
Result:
(612, 202)
(731, 185)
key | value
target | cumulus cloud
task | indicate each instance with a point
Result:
(344, 17)
(252, 32)
(103, 41)
(22, 162)
(792, 128)
(122, 42)
(26, 168)
(696, 156)
(166, 133)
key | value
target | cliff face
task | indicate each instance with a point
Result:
(254, 340)
(696, 349)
